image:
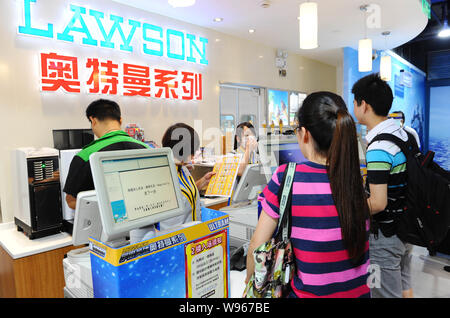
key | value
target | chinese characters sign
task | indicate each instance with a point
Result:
(103, 76)
(206, 267)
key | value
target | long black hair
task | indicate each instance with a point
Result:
(240, 132)
(333, 131)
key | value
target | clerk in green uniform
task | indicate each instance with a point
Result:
(184, 142)
(105, 118)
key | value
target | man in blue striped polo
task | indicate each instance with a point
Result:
(386, 186)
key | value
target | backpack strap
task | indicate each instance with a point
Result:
(407, 147)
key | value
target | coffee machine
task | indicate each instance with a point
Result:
(38, 203)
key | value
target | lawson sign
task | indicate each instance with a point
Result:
(95, 28)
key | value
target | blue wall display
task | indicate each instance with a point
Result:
(408, 85)
(439, 138)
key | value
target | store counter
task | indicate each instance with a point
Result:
(215, 203)
(31, 268)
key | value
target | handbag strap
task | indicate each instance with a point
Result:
(285, 201)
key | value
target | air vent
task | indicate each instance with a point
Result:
(48, 168)
(439, 65)
(38, 171)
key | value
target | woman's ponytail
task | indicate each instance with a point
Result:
(325, 116)
(347, 186)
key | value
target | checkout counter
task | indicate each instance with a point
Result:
(32, 268)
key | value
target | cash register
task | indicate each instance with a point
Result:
(134, 189)
(243, 211)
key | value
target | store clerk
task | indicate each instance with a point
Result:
(246, 144)
(184, 142)
(105, 118)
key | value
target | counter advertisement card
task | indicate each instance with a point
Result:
(206, 267)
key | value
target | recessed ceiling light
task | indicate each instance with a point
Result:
(181, 3)
(251, 31)
(218, 19)
(445, 32)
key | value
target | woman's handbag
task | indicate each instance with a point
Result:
(274, 260)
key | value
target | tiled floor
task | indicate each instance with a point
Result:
(428, 277)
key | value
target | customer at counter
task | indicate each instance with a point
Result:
(330, 214)
(245, 143)
(105, 118)
(184, 142)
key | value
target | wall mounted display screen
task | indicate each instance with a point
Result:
(278, 107)
(295, 102)
(439, 140)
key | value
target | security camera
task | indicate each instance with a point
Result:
(374, 55)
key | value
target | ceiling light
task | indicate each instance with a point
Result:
(365, 55)
(308, 25)
(386, 68)
(386, 62)
(365, 48)
(181, 3)
(251, 31)
(445, 32)
(218, 19)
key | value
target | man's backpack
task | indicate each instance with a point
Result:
(425, 220)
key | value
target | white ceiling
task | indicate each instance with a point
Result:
(341, 23)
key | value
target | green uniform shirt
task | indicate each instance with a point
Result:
(79, 177)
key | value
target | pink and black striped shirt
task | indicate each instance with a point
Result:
(323, 266)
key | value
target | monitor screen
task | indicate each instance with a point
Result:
(278, 104)
(278, 151)
(295, 102)
(64, 139)
(251, 184)
(139, 187)
(135, 188)
(290, 153)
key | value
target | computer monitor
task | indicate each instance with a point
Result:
(135, 188)
(277, 151)
(72, 138)
(252, 183)
(87, 222)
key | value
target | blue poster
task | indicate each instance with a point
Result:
(439, 127)
(408, 89)
(399, 88)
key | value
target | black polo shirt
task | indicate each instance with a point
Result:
(79, 177)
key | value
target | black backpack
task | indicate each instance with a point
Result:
(425, 220)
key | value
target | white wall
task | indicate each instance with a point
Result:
(28, 116)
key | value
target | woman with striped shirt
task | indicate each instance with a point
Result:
(330, 216)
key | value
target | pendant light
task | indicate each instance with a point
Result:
(386, 62)
(365, 48)
(445, 31)
(308, 25)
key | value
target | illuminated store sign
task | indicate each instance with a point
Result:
(426, 8)
(98, 30)
(103, 76)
